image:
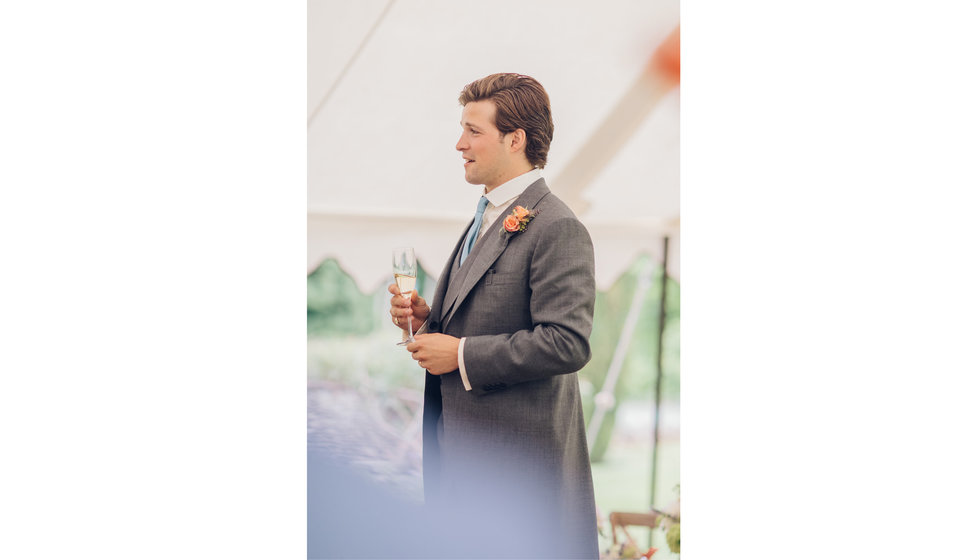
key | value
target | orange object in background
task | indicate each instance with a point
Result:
(666, 60)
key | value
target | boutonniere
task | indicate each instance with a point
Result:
(518, 220)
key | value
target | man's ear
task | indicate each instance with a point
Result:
(518, 140)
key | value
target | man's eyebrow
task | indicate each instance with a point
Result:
(469, 124)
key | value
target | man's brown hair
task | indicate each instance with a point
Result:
(521, 103)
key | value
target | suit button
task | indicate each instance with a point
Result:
(434, 326)
(488, 387)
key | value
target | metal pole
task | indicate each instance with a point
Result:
(660, 371)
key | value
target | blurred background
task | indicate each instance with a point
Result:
(383, 120)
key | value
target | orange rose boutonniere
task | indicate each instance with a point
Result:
(518, 220)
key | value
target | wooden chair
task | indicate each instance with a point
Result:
(621, 519)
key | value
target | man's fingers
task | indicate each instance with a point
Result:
(400, 311)
(398, 314)
(399, 301)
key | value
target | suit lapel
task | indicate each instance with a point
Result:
(486, 252)
(481, 257)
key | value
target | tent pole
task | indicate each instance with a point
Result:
(605, 399)
(660, 372)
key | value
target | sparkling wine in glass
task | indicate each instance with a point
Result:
(405, 269)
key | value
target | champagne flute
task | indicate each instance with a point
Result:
(403, 264)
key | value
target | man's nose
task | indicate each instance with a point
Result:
(460, 145)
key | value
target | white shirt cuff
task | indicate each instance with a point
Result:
(462, 366)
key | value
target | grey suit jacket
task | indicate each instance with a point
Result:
(514, 446)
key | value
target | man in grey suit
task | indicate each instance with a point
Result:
(506, 465)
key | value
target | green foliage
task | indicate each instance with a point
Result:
(638, 376)
(640, 368)
(674, 538)
(335, 305)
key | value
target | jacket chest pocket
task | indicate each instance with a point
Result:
(496, 277)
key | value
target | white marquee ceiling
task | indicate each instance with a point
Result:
(383, 78)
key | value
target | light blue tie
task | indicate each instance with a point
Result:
(477, 223)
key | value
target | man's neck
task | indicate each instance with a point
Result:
(518, 173)
(513, 187)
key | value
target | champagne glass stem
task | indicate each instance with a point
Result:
(411, 337)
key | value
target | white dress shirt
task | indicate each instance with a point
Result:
(500, 200)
